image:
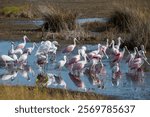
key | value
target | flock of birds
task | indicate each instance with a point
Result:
(90, 63)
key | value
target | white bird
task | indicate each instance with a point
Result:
(79, 66)
(9, 75)
(83, 50)
(6, 59)
(30, 49)
(22, 45)
(119, 43)
(23, 58)
(61, 63)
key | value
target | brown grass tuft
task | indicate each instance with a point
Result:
(132, 18)
(57, 19)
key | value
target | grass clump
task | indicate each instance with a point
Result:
(132, 18)
(57, 19)
(8, 11)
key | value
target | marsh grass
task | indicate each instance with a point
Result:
(57, 19)
(36, 93)
(132, 18)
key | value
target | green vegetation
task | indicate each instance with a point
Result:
(23, 11)
(36, 93)
(10, 10)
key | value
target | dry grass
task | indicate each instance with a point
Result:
(132, 18)
(35, 93)
(57, 19)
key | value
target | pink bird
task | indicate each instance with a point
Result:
(79, 65)
(131, 56)
(94, 53)
(22, 45)
(103, 49)
(136, 63)
(117, 57)
(70, 48)
(119, 43)
(74, 59)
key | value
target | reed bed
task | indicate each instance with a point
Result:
(132, 19)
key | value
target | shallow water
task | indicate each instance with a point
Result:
(123, 88)
(40, 22)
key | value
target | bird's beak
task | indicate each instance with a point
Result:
(27, 39)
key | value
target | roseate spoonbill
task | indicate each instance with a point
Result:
(22, 45)
(137, 62)
(90, 55)
(16, 51)
(74, 59)
(103, 49)
(113, 50)
(79, 65)
(117, 57)
(130, 56)
(23, 58)
(61, 63)
(30, 49)
(83, 50)
(70, 48)
(119, 43)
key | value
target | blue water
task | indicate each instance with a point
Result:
(123, 88)
(40, 22)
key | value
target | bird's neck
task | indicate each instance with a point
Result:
(74, 42)
(12, 47)
(107, 43)
(85, 60)
(24, 40)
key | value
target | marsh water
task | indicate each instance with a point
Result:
(39, 22)
(124, 87)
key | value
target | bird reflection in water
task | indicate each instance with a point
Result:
(26, 71)
(77, 81)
